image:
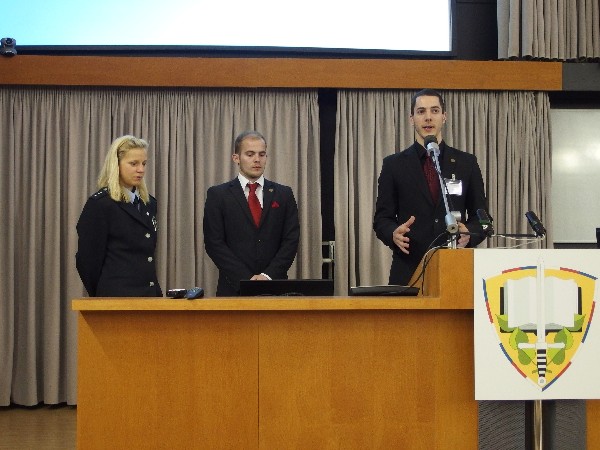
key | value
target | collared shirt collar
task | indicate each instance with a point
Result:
(132, 195)
(422, 152)
(244, 181)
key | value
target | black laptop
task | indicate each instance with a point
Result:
(319, 288)
(386, 289)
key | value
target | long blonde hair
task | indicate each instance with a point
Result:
(109, 175)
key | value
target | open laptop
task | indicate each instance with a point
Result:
(320, 288)
(386, 289)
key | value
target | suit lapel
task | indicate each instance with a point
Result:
(415, 169)
(148, 215)
(449, 163)
(140, 216)
(237, 192)
(268, 195)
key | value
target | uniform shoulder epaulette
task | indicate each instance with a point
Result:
(101, 193)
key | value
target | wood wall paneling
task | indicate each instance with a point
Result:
(279, 73)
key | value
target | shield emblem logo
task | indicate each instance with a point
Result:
(541, 317)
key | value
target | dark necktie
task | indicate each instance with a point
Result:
(136, 203)
(254, 204)
(432, 178)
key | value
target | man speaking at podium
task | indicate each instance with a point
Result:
(410, 210)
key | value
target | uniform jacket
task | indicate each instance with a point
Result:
(403, 191)
(115, 254)
(237, 247)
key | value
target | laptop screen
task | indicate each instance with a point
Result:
(318, 288)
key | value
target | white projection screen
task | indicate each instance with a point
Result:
(575, 175)
(332, 25)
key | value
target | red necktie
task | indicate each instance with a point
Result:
(254, 204)
(432, 178)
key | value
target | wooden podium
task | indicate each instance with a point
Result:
(278, 373)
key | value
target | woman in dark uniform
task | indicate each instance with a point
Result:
(117, 227)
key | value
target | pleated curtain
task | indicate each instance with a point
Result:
(52, 144)
(565, 30)
(509, 133)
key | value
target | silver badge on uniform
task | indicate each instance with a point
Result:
(155, 223)
(454, 186)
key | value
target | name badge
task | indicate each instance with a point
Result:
(454, 186)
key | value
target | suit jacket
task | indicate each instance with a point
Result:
(238, 248)
(403, 192)
(115, 254)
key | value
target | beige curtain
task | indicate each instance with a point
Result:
(507, 131)
(549, 29)
(52, 143)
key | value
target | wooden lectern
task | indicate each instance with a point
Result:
(277, 373)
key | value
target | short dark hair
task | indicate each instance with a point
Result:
(247, 135)
(426, 93)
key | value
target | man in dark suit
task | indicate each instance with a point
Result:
(409, 215)
(251, 227)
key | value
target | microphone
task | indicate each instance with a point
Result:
(451, 224)
(431, 144)
(535, 224)
(486, 222)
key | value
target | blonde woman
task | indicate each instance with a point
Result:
(117, 227)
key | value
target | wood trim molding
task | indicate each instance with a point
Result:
(279, 73)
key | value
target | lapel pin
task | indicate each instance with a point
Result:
(270, 189)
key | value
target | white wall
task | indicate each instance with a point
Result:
(575, 174)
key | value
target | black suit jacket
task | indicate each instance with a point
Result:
(237, 247)
(403, 192)
(115, 254)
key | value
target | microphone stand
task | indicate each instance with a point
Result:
(513, 235)
(451, 224)
(488, 228)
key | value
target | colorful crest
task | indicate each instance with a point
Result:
(541, 317)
